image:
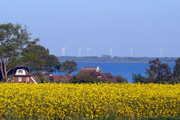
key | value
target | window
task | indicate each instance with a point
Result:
(20, 71)
(19, 79)
(98, 76)
(27, 79)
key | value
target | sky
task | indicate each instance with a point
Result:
(144, 25)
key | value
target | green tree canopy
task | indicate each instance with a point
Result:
(157, 73)
(17, 49)
(121, 79)
(40, 59)
(13, 39)
(68, 67)
(176, 71)
(52, 64)
(36, 54)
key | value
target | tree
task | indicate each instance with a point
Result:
(68, 67)
(0, 74)
(52, 64)
(121, 79)
(36, 54)
(158, 73)
(13, 39)
(176, 71)
(40, 59)
(139, 78)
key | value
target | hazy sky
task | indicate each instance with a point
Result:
(145, 25)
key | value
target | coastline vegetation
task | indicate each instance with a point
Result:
(159, 72)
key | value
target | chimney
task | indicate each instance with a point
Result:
(97, 69)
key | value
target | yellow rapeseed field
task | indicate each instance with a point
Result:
(76, 101)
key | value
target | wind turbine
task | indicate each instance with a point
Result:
(131, 52)
(79, 51)
(63, 51)
(161, 52)
(88, 49)
(110, 52)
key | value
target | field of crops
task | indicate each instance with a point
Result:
(83, 101)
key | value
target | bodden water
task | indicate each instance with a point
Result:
(119, 68)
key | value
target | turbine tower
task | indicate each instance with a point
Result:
(63, 51)
(131, 52)
(79, 51)
(88, 49)
(110, 52)
(161, 52)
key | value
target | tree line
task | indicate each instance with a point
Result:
(19, 49)
(159, 72)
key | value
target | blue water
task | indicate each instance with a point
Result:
(117, 68)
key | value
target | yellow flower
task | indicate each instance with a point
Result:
(49, 101)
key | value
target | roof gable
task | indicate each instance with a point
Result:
(20, 72)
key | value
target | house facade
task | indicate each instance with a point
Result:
(23, 76)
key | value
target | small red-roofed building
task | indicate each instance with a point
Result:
(96, 73)
(23, 76)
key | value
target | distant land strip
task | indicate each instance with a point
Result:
(116, 59)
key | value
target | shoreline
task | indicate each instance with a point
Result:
(120, 61)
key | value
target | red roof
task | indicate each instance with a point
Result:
(47, 74)
(95, 72)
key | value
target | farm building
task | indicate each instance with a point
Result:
(96, 73)
(23, 76)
